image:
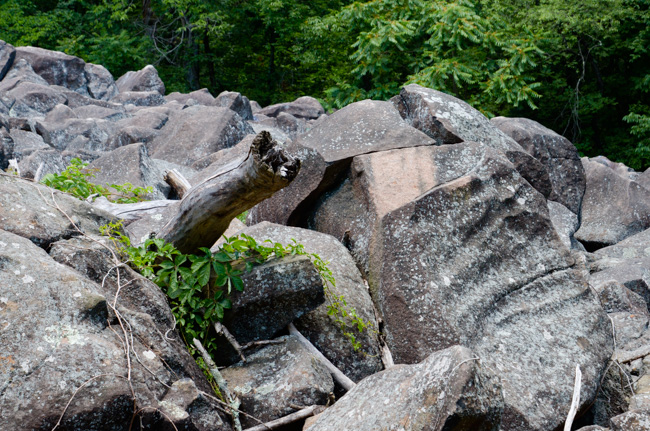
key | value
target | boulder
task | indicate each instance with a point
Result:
(450, 390)
(449, 120)
(614, 206)
(30, 210)
(7, 56)
(139, 98)
(326, 152)
(76, 133)
(25, 143)
(202, 97)
(30, 100)
(278, 380)
(100, 82)
(615, 297)
(634, 247)
(275, 294)
(41, 386)
(637, 420)
(130, 164)
(459, 249)
(60, 113)
(317, 325)
(235, 101)
(99, 113)
(566, 224)
(196, 132)
(190, 409)
(558, 155)
(56, 67)
(144, 80)
(211, 163)
(19, 72)
(303, 107)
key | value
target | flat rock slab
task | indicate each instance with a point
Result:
(276, 379)
(30, 210)
(449, 390)
(55, 67)
(145, 79)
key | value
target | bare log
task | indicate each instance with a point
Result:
(207, 209)
(178, 182)
(337, 374)
(133, 211)
(575, 402)
(286, 420)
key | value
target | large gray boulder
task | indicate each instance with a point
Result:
(7, 56)
(614, 206)
(130, 164)
(25, 143)
(30, 100)
(196, 132)
(100, 82)
(318, 325)
(452, 389)
(235, 101)
(30, 210)
(202, 97)
(56, 67)
(277, 380)
(327, 150)
(449, 120)
(555, 152)
(145, 79)
(139, 98)
(459, 249)
(76, 133)
(303, 107)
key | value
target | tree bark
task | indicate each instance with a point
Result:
(207, 209)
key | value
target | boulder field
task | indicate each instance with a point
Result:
(489, 261)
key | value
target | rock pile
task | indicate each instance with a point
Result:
(488, 259)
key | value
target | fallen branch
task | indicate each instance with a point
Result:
(133, 211)
(177, 182)
(222, 330)
(286, 420)
(233, 402)
(207, 209)
(261, 343)
(575, 402)
(337, 374)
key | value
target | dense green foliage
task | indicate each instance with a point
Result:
(75, 179)
(198, 286)
(579, 67)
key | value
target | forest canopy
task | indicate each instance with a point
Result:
(580, 67)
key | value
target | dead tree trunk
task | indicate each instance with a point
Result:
(207, 209)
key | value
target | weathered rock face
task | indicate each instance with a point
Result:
(76, 133)
(235, 101)
(196, 132)
(130, 164)
(449, 120)
(7, 56)
(449, 390)
(30, 210)
(555, 152)
(458, 248)
(327, 150)
(29, 100)
(139, 98)
(632, 420)
(303, 107)
(101, 84)
(614, 206)
(201, 97)
(317, 325)
(275, 293)
(277, 377)
(566, 224)
(145, 79)
(72, 328)
(55, 67)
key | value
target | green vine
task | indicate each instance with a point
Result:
(198, 286)
(75, 180)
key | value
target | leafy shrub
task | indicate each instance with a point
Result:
(75, 180)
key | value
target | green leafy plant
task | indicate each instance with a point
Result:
(75, 180)
(198, 286)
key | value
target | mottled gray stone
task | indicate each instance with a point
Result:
(634, 247)
(7, 56)
(615, 297)
(276, 379)
(450, 390)
(303, 107)
(130, 164)
(196, 132)
(77, 133)
(29, 100)
(566, 224)
(614, 206)
(555, 152)
(236, 102)
(211, 163)
(202, 97)
(6, 148)
(145, 79)
(99, 112)
(317, 325)
(60, 113)
(56, 67)
(25, 143)
(190, 409)
(43, 162)
(100, 82)
(29, 210)
(637, 420)
(139, 98)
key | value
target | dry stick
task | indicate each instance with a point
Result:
(178, 182)
(222, 330)
(338, 375)
(575, 401)
(221, 382)
(286, 420)
(261, 343)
